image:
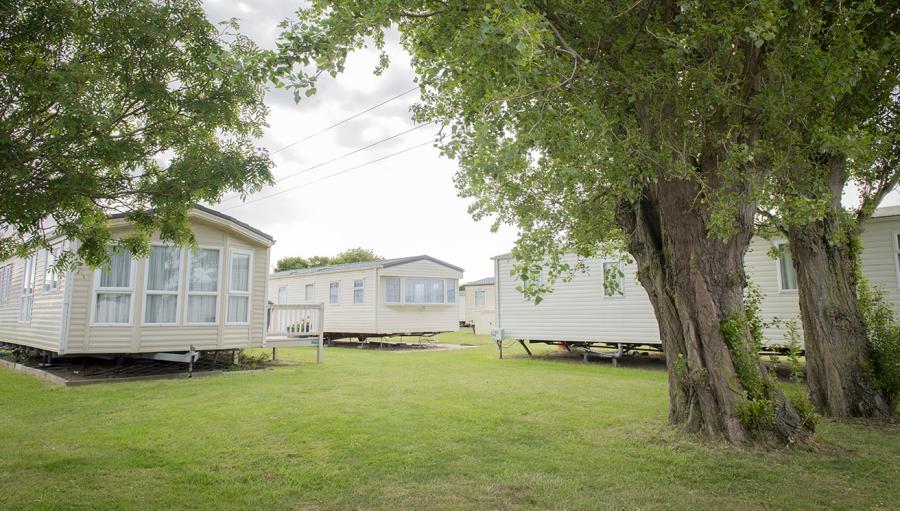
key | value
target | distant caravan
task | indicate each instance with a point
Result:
(608, 307)
(408, 296)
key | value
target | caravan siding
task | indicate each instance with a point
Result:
(576, 310)
(87, 337)
(44, 328)
(880, 261)
(343, 316)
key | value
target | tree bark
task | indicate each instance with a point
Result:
(695, 283)
(834, 330)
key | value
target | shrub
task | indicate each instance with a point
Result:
(248, 360)
(882, 337)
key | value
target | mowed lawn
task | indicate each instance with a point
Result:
(427, 430)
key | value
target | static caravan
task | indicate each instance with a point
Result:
(607, 305)
(404, 296)
(880, 261)
(480, 305)
(211, 298)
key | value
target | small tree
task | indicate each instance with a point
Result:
(353, 255)
(140, 107)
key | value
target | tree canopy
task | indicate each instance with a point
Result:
(657, 125)
(142, 107)
(353, 255)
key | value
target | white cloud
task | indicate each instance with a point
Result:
(404, 205)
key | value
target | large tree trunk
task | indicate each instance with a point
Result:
(695, 284)
(834, 330)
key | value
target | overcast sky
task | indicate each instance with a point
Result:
(402, 206)
(405, 205)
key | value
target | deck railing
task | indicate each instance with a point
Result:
(296, 324)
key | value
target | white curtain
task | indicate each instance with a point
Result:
(202, 309)
(204, 270)
(238, 309)
(451, 291)
(240, 272)
(161, 309)
(392, 290)
(334, 292)
(359, 293)
(788, 276)
(163, 270)
(424, 291)
(112, 308)
(118, 274)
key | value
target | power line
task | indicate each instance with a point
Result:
(336, 158)
(354, 116)
(329, 176)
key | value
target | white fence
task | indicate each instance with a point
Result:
(296, 324)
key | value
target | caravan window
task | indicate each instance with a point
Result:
(359, 292)
(113, 290)
(161, 294)
(334, 293)
(51, 278)
(479, 298)
(787, 277)
(309, 293)
(5, 282)
(239, 287)
(203, 286)
(424, 291)
(391, 290)
(451, 291)
(27, 300)
(613, 279)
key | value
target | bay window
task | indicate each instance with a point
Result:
(203, 286)
(424, 291)
(239, 287)
(161, 293)
(113, 290)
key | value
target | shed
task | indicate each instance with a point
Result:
(480, 305)
(403, 296)
(211, 298)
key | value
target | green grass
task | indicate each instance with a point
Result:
(427, 430)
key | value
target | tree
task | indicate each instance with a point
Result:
(591, 123)
(841, 101)
(141, 107)
(353, 255)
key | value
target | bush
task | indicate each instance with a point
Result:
(248, 360)
(882, 337)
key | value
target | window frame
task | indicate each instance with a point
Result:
(399, 291)
(895, 243)
(187, 287)
(96, 290)
(27, 293)
(51, 279)
(237, 293)
(6, 273)
(181, 282)
(337, 297)
(621, 265)
(450, 289)
(361, 288)
(443, 293)
(778, 273)
(483, 294)
(282, 292)
(306, 294)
